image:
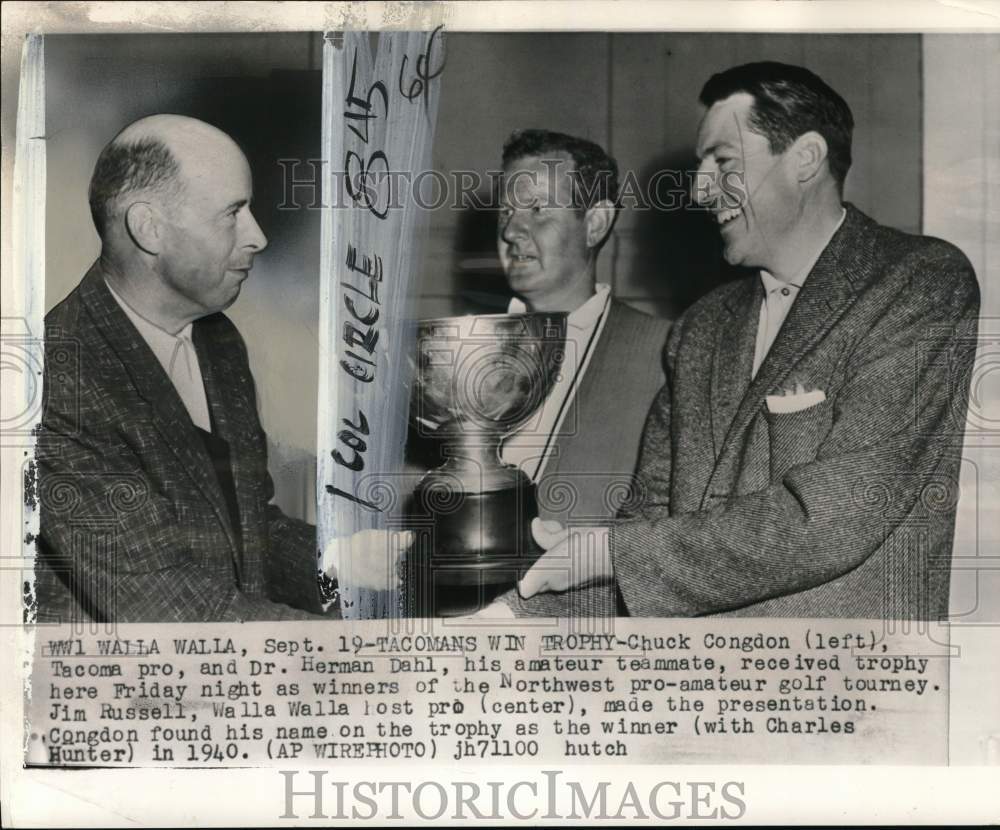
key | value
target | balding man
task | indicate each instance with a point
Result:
(153, 483)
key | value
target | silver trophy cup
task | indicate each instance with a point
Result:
(477, 379)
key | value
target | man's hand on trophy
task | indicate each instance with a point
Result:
(368, 558)
(574, 558)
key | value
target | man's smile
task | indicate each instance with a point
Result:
(724, 217)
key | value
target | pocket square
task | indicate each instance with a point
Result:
(786, 404)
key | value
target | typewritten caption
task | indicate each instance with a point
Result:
(678, 690)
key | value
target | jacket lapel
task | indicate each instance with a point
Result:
(562, 439)
(571, 429)
(229, 407)
(829, 289)
(732, 358)
(170, 417)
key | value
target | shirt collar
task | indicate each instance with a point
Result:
(772, 283)
(162, 342)
(582, 317)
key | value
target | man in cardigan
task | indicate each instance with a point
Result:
(153, 483)
(558, 206)
(802, 459)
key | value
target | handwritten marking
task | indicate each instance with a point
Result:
(420, 86)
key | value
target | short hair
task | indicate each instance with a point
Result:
(125, 167)
(595, 175)
(789, 101)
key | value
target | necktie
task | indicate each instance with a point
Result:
(185, 374)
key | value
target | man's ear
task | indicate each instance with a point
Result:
(143, 225)
(599, 219)
(809, 153)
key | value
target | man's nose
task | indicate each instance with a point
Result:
(253, 236)
(512, 228)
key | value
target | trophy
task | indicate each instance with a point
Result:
(477, 379)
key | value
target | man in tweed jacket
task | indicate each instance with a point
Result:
(802, 459)
(152, 464)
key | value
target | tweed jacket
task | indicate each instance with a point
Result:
(842, 509)
(591, 471)
(134, 523)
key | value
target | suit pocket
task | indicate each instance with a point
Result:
(795, 437)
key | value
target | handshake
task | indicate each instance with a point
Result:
(573, 558)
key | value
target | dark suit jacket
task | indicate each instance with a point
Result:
(134, 523)
(845, 509)
(590, 473)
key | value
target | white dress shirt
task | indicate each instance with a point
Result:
(778, 299)
(176, 354)
(531, 446)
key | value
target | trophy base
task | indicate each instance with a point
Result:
(468, 551)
